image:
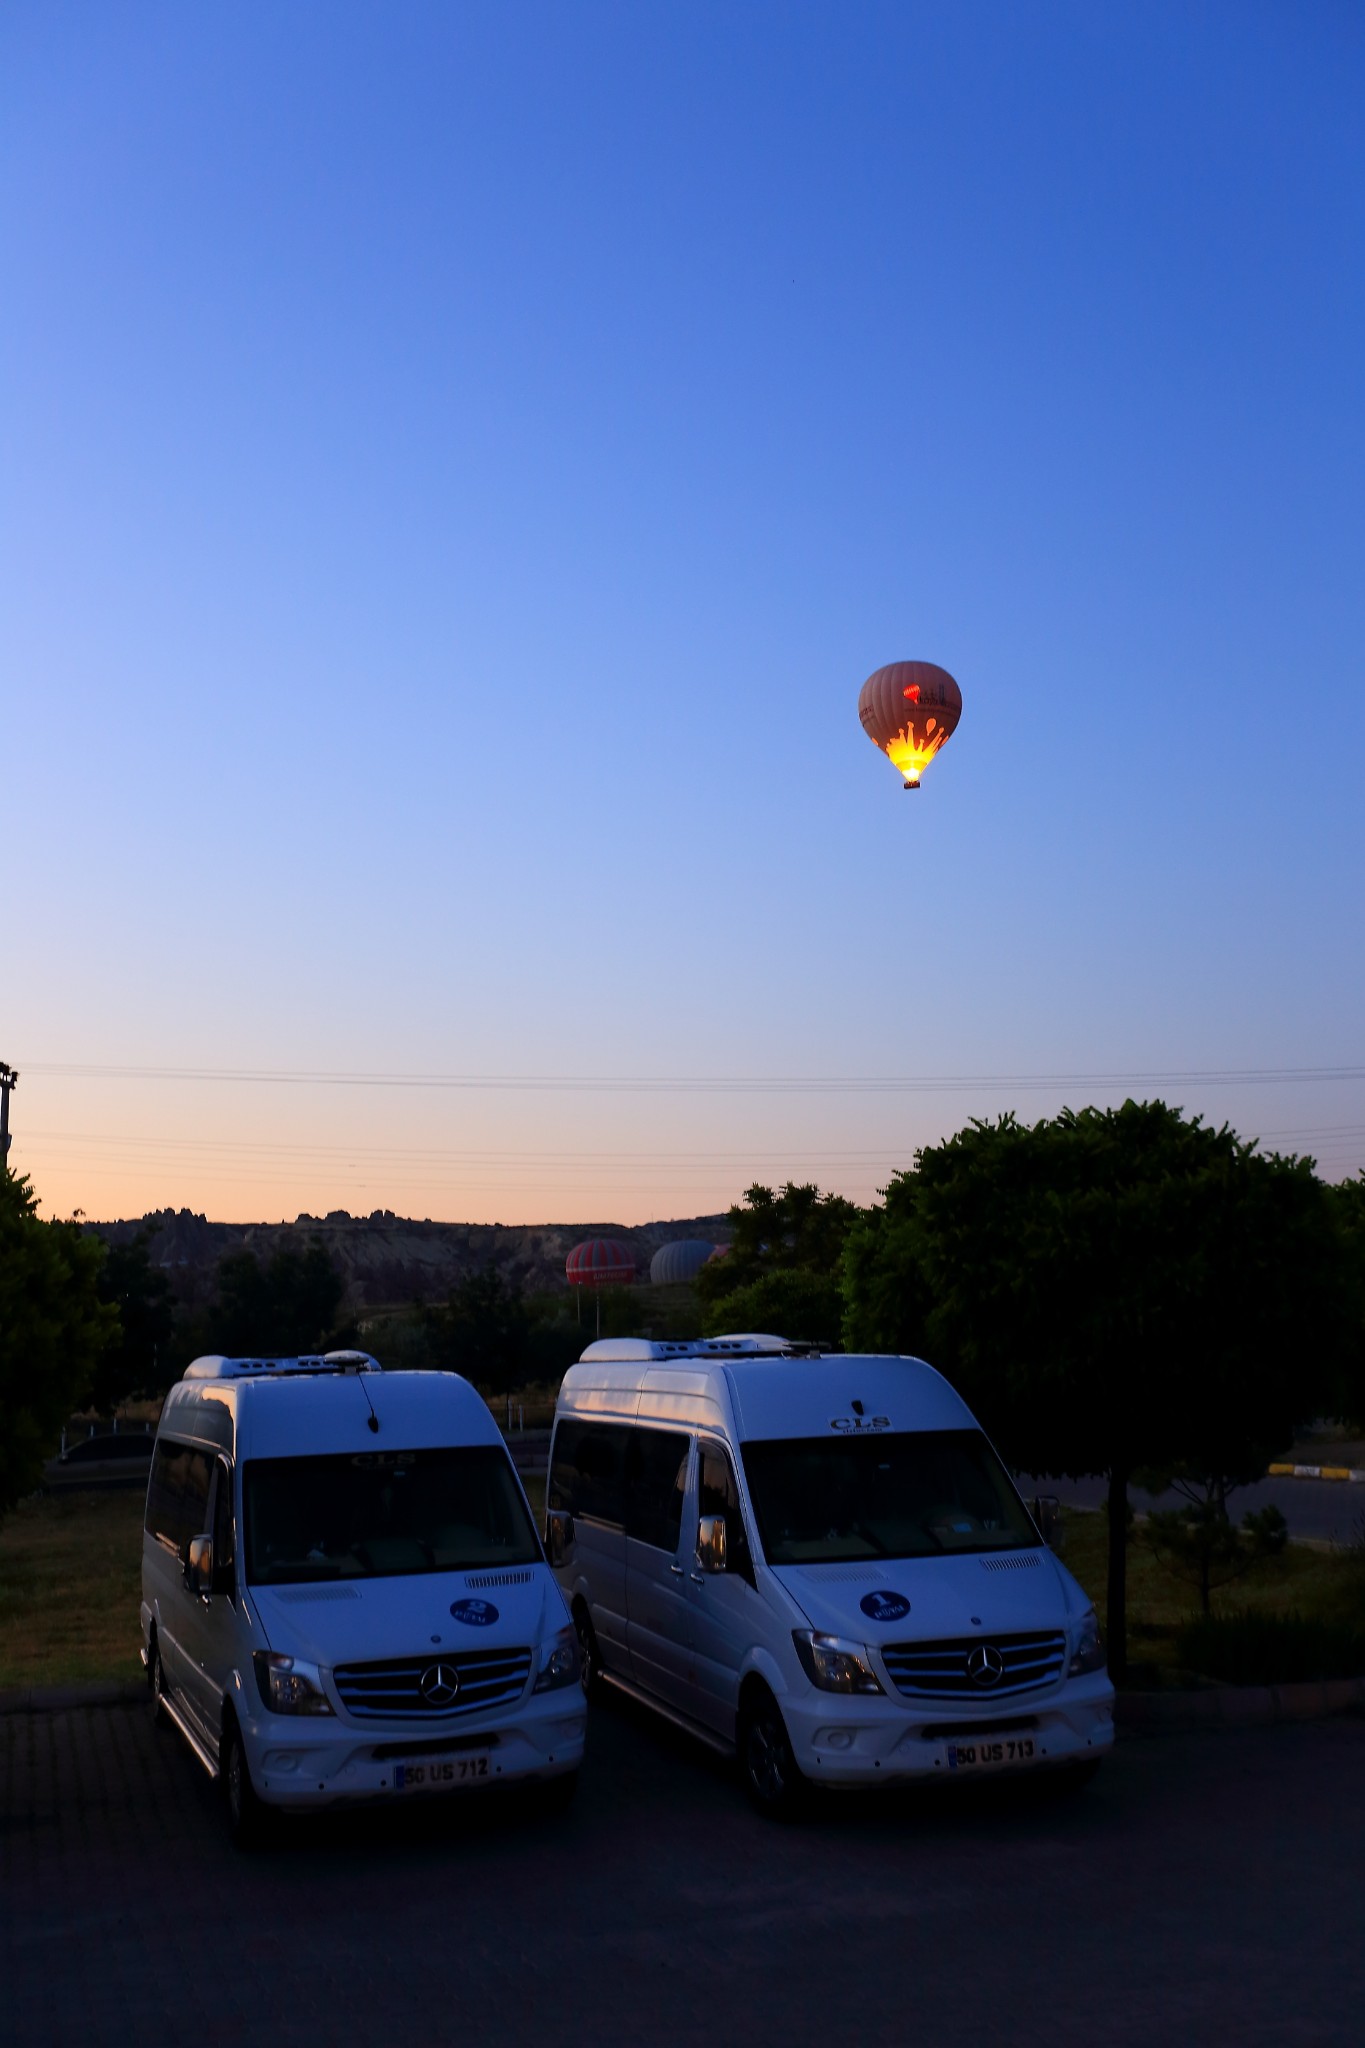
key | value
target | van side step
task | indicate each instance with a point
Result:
(173, 1713)
(689, 1727)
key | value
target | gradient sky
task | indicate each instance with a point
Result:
(457, 467)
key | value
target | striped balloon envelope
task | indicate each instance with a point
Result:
(679, 1261)
(910, 709)
(600, 1262)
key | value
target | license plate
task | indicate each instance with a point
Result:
(976, 1756)
(442, 1773)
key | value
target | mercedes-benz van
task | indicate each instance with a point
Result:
(818, 1562)
(344, 1596)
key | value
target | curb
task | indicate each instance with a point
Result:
(1348, 1472)
(1238, 1706)
(58, 1699)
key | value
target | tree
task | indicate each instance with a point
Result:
(1348, 1380)
(886, 1296)
(53, 1328)
(1198, 1542)
(487, 1331)
(280, 1309)
(1111, 1289)
(790, 1302)
(783, 1263)
(133, 1362)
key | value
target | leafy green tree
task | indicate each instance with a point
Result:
(885, 1292)
(1348, 1380)
(133, 1363)
(490, 1332)
(798, 1228)
(53, 1328)
(1111, 1289)
(486, 1331)
(287, 1306)
(805, 1306)
(1198, 1542)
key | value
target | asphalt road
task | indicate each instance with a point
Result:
(1324, 1510)
(1206, 1888)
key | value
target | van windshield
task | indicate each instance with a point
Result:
(903, 1494)
(383, 1514)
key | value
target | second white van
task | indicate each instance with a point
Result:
(818, 1562)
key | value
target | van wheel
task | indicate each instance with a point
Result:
(156, 1684)
(771, 1777)
(590, 1665)
(247, 1816)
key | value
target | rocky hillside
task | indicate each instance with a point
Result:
(386, 1259)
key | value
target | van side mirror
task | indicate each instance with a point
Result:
(1047, 1513)
(199, 1565)
(711, 1543)
(559, 1535)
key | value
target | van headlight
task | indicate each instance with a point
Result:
(832, 1665)
(561, 1666)
(1088, 1654)
(288, 1685)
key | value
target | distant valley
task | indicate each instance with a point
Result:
(387, 1260)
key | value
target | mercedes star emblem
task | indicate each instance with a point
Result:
(439, 1684)
(985, 1665)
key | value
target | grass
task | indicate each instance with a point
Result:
(70, 1588)
(70, 1568)
(1319, 1585)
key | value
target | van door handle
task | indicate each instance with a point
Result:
(698, 1578)
(676, 1570)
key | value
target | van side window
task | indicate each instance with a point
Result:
(223, 1551)
(717, 1494)
(657, 1470)
(178, 1495)
(588, 1471)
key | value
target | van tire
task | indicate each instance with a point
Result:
(248, 1817)
(590, 1665)
(156, 1683)
(767, 1762)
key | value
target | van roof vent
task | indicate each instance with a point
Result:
(216, 1367)
(644, 1351)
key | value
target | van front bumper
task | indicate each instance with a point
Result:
(845, 1741)
(304, 1762)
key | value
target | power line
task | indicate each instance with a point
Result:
(594, 1084)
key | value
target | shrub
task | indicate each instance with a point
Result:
(1270, 1649)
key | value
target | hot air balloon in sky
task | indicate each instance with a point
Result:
(908, 709)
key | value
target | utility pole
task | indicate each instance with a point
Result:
(8, 1079)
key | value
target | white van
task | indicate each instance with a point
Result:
(343, 1593)
(819, 1562)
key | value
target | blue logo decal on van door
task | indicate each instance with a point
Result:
(474, 1613)
(884, 1606)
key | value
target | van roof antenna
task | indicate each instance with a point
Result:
(374, 1419)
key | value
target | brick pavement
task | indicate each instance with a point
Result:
(1207, 1885)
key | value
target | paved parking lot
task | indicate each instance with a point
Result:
(1206, 1888)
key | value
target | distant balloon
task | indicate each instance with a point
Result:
(909, 709)
(600, 1262)
(681, 1260)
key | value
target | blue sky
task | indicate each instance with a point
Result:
(457, 467)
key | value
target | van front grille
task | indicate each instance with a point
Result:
(421, 1687)
(976, 1667)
